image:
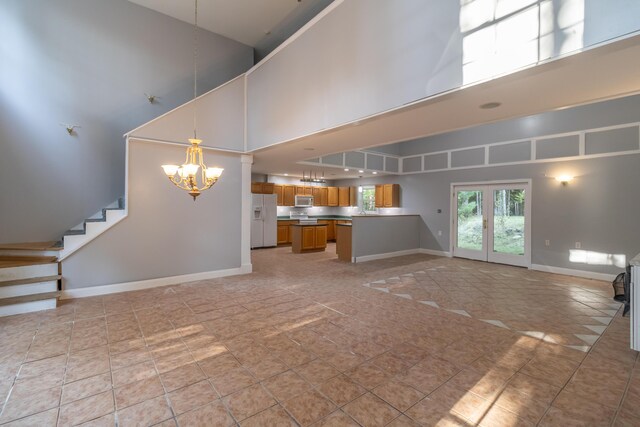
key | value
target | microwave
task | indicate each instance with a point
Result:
(303, 201)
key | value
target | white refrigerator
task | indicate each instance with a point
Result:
(264, 220)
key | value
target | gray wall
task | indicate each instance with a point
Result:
(374, 235)
(87, 62)
(151, 242)
(598, 208)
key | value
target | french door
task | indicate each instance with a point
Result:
(492, 222)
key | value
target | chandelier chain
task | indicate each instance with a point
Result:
(195, 70)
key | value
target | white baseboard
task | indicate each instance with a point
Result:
(152, 283)
(571, 272)
(434, 252)
(366, 258)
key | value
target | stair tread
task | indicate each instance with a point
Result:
(7, 261)
(30, 246)
(75, 233)
(30, 280)
(28, 298)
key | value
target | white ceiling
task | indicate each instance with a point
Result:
(246, 21)
(602, 73)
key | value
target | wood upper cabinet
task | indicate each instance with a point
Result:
(332, 199)
(316, 196)
(262, 187)
(388, 196)
(299, 190)
(391, 195)
(343, 196)
(324, 196)
(308, 191)
(288, 195)
(379, 196)
(268, 187)
(353, 196)
(279, 192)
(256, 187)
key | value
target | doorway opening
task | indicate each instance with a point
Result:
(492, 222)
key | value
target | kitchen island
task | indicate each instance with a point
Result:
(308, 238)
(379, 236)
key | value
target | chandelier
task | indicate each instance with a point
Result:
(186, 175)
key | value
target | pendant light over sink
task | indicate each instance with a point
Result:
(186, 175)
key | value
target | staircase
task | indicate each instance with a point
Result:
(30, 277)
(31, 273)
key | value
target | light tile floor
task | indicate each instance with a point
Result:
(308, 340)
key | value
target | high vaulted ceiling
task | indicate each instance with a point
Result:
(246, 21)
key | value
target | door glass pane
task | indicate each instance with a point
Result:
(470, 220)
(508, 221)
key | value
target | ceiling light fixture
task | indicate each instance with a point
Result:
(286, 174)
(314, 180)
(186, 175)
(374, 172)
(360, 171)
(346, 170)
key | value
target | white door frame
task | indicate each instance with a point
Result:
(528, 198)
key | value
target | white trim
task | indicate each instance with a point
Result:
(183, 144)
(92, 230)
(571, 272)
(532, 160)
(28, 307)
(297, 34)
(484, 254)
(365, 258)
(434, 252)
(182, 105)
(152, 283)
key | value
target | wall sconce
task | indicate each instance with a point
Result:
(70, 128)
(151, 98)
(564, 179)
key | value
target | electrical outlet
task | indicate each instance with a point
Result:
(439, 232)
(547, 242)
(578, 245)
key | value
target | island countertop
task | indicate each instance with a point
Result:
(308, 225)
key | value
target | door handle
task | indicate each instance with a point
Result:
(484, 223)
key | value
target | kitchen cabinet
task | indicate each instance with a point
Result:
(283, 233)
(289, 195)
(388, 196)
(353, 196)
(299, 190)
(308, 191)
(379, 199)
(268, 187)
(256, 187)
(391, 195)
(343, 196)
(262, 187)
(343, 242)
(324, 196)
(316, 196)
(279, 192)
(308, 238)
(332, 199)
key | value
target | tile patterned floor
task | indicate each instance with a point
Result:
(426, 341)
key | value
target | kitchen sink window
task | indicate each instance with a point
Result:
(368, 198)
